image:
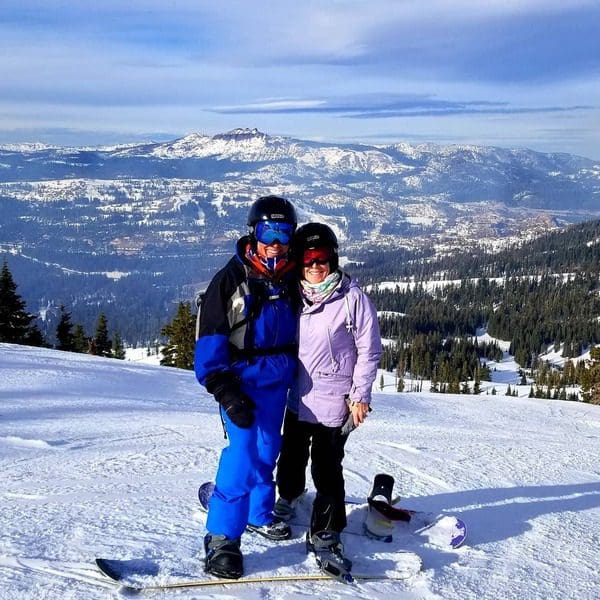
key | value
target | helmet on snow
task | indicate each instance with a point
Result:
(312, 236)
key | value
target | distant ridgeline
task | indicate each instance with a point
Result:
(541, 294)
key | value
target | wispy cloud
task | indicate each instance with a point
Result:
(380, 106)
(302, 67)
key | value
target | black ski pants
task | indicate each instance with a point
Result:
(326, 448)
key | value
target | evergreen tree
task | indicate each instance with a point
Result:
(64, 335)
(590, 385)
(35, 337)
(381, 382)
(181, 334)
(80, 340)
(400, 376)
(400, 384)
(434, 386)
(101, 346)
(454, 387)
(15, 322)
(118, 348)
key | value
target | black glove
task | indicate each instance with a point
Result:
(238, 405)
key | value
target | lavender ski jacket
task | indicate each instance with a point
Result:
(339, 351)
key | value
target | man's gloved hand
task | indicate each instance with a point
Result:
(238, 406)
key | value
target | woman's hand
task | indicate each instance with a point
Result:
(359, 412)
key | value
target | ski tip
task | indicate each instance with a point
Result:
(108, 568)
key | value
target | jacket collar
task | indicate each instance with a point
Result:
(256, 266)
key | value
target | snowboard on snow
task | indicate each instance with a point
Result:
(146, 575)
(205, 491)
(382, 516)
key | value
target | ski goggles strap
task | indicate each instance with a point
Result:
(269, 232)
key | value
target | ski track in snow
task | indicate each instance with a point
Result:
(104, 458)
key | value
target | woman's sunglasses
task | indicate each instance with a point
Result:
(321, 256)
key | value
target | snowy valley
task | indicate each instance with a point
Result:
(152, 222)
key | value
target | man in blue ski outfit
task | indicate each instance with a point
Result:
(246, 357)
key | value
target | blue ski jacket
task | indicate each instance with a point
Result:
(247, 326)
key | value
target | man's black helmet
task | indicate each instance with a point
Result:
(315, 235)
(272, 208)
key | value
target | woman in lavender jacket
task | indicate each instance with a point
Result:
(339, 351)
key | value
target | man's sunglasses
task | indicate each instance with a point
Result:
(269, 232)
(321, 256)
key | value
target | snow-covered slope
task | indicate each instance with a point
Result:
(103, 458)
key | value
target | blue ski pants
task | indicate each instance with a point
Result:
(244, 486)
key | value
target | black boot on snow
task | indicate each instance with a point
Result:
(277, 530)
(223, 557)
(329, 554)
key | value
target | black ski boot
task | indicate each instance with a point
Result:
(223, 557)
(329, 554)
(277, 530)
(284, 510)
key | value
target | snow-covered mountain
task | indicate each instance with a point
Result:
(101, 457)
(163, 215)
(200, 186)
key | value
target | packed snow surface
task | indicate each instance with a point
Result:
(104, 458)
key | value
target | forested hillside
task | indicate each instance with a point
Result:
(575, 249)
(542, 294)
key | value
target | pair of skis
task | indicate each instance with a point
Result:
(146, 576)
(379, 522)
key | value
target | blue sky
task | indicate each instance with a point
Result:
(511, 73)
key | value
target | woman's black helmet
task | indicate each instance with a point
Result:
(272, 208)
(315, 235)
